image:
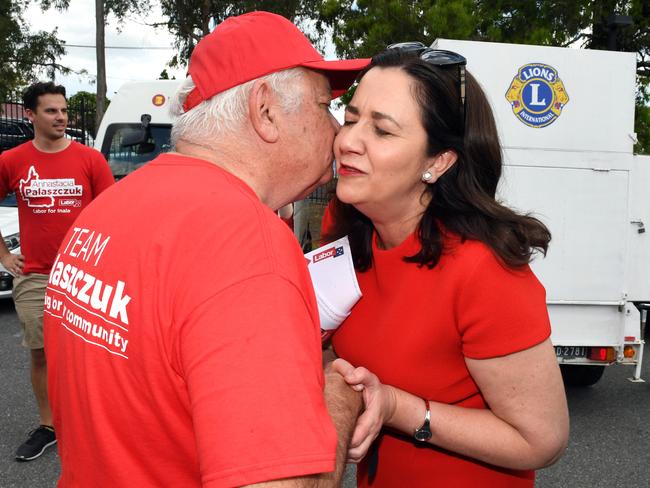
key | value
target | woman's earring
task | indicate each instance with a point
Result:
(426, 176)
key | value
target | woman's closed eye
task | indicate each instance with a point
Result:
(381, 132)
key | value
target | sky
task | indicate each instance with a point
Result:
(77, 26)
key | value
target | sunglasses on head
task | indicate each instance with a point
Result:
(439, 57)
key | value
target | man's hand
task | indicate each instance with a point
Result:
(379, 401)
(328, 357)
(344, 406)
(13, 263)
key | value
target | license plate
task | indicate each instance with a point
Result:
(571, 351)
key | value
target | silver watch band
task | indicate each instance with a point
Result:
(423, 433)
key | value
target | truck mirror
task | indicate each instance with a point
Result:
(133, 137)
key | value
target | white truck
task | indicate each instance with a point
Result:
(566, 123)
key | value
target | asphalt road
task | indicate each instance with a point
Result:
(609, 446)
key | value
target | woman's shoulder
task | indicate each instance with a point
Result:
(465, 250)
(470, 256)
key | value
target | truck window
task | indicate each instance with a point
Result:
(125, 159)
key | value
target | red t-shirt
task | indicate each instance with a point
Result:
(414, 326)
(182, 338)
(51, 190)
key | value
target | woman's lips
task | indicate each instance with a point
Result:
(348, 171)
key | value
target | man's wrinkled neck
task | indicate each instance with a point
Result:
(238, 163)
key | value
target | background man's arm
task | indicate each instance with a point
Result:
(12, 262)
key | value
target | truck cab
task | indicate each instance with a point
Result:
(136, 126)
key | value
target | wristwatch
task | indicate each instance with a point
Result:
(423, 433)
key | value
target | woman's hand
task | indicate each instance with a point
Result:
(379, 402)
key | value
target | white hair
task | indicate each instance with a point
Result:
(225, 112)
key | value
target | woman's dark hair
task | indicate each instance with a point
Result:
(35, 90)
(463, 199)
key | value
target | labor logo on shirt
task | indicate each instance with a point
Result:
(537, 95)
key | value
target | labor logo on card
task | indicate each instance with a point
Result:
(332, 252)
(537, 95)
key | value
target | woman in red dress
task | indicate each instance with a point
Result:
(450, 341)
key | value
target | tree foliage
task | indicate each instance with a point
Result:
(164, 75)
(82, 107)
(119, 8)
(103, 8)
(190, 20)
(83, 99)
(361, 28)
(24, 56)
(365, 27)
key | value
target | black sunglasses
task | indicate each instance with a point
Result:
(439, 57)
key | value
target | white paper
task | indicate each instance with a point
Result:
(335, 283)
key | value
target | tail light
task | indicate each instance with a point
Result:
(605, 354)
(629, 352)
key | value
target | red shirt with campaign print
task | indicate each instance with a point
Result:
(51, 190)
(182, 338)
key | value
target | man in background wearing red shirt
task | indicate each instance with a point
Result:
(53, 178)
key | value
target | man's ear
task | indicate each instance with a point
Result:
(262, 111)
(30, 114)
(438, 165)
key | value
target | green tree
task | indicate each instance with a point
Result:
(120, 9)
(642, 120)
(82, 107)
(24, 56)
(361, 28)
(364, 27)
(84, 99)
(190, 20)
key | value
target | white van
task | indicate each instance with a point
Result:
(137, 125)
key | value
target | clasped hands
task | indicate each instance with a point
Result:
(379, 402)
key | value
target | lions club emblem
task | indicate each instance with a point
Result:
(537, 95)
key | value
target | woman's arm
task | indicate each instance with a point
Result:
(526, 427)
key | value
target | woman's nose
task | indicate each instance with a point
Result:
(348, 140)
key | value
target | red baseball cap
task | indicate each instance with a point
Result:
(257, 44)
